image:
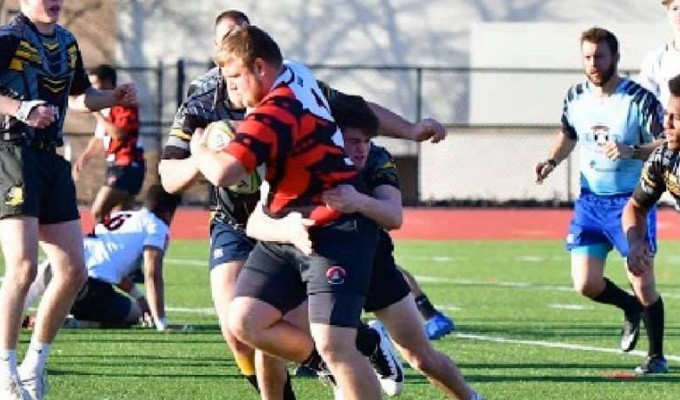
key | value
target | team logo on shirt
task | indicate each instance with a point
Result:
(336, 275)
(600, 134)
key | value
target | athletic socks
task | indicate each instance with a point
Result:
(288, 393)
(315, 362)
(653, 317)
(252, 379)
(426, 308)
(367, 340)
(8, 363)
(618, 297)
(35, 358)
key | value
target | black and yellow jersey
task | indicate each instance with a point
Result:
(34, 66)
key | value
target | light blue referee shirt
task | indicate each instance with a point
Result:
(631, 115)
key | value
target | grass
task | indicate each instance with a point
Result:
(516, 292)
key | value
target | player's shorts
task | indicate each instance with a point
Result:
(335, 279)
(99, 301)
(126, 178)
(388, 285)
(228, 243)
(596, 226)
(36, 183)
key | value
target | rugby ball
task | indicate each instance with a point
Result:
(216, 137)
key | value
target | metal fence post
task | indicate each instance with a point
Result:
(181, 78)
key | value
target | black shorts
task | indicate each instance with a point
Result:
(128, 178)
(388, 285)
(99, 301)
(335, 279)
(36, 183)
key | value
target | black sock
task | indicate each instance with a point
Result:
(288, 393)
(618, 297)
(367, 339)
(315, 362)
(653, 316)
(253, 381)
(426, 308)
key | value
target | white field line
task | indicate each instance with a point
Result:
(555, 345)
(485, 338)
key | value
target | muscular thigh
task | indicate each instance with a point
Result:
(270, 275)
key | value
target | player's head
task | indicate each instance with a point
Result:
(672, 118)
(103, 76)
(161, 203)
(251, 61)
(358, 124)
(600, 52)
(42, 12)
(225, 22)
(673, 13)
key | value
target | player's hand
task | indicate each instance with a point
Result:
(543, 169)
(428, 129)
(343, 198)
(42, 116)
(198, 142)
(77, 169)
(615, 150)
(640, 259)
(126, 95)
(298, 233)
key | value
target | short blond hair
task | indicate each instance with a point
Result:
(665, 3)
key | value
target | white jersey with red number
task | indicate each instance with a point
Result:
(112, 253)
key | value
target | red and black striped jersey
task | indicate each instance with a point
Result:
(293, 133)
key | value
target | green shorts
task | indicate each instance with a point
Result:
(36, 183)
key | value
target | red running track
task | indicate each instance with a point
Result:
(446, 224)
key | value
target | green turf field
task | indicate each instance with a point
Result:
(523, 334)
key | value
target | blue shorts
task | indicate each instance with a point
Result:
(228, 243)
(596, 226)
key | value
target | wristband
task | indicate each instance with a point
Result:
(136, 293)
(25, 108)
(160, 323)
(551, 162)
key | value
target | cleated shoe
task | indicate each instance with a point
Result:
(385, 363)
(11, 389)
(630, 332)
(652, 365)
(36, 386)
(439, 326)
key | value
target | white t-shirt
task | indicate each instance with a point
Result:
(658, 67)
(114, 251)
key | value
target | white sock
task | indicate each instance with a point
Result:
(8, 363)
(35, 358)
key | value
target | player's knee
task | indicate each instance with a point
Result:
(75, 277)
(587, 288)
(333, 349)
(241, 324)
(22, 275)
